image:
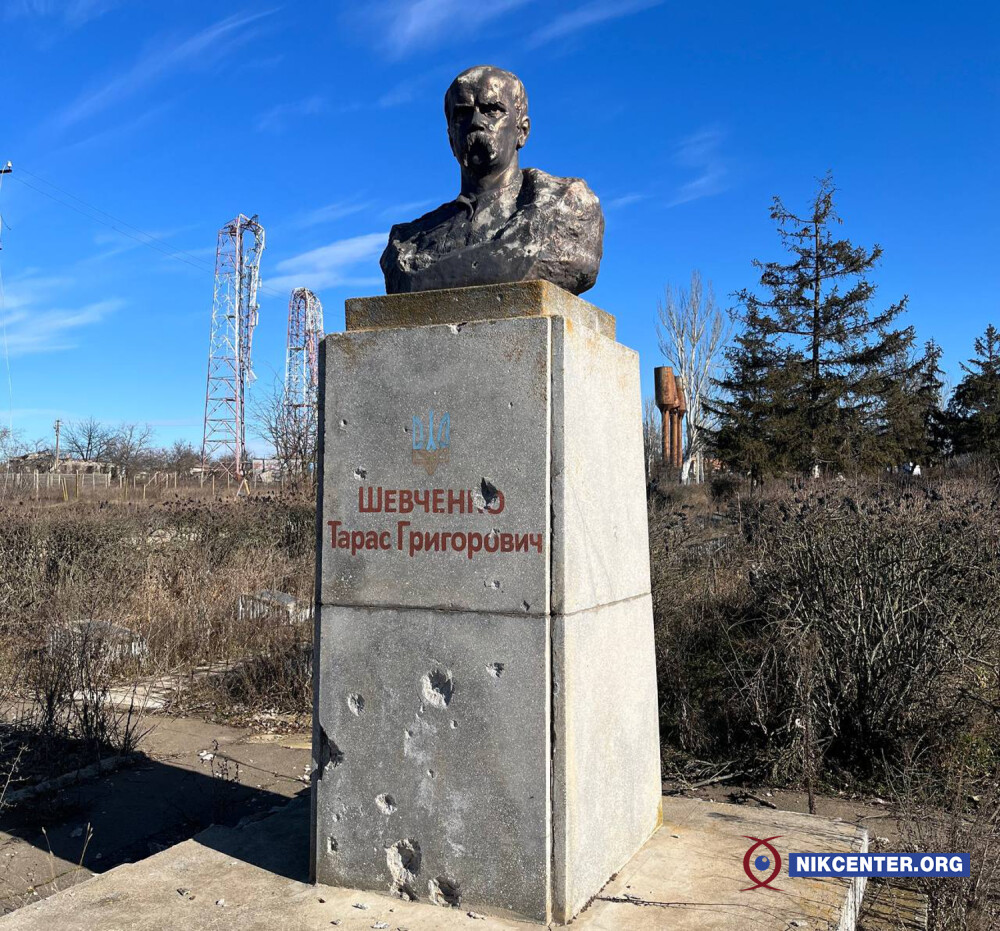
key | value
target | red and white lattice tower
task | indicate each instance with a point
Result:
(234, 316)
(305, 330)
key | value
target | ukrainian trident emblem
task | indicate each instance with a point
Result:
(431, 442)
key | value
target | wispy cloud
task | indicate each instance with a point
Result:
(586, 15)
(328, 266)
(205, 46)
(38, 317)
(401, 27)
(275, 119)
(330, 212)
(71, 12)
(701, 153)
(403, 213)
(626, 200)
(37, 330)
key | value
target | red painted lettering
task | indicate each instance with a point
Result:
(456, 500)
(400, 525)
(374, 503)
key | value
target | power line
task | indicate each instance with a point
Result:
(6, 170)
(150, 239)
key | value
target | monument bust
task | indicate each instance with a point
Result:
(507, 223)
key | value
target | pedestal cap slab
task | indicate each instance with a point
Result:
(484, 302)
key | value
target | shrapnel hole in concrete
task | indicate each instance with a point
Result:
(526, 606)
(403, 860)
(360, 473)
(343, 423)
(331, 844)
(496, 669)
(356, 703)
(489, 491)
(386, 804)
(437, 688)
(445, 891)
(454, 724)
(329, 753)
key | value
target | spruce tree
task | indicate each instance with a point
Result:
(910, 416)
(757, 415)
(974, 409)
(816, 308)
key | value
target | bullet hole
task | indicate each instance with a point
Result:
(488, 491)
(403, 860)
(386, 804)
(329, 753)
(445, 891)
(409, 734)
(526, 606)
(360, 473)
(343, 423)
(454, 724)
(510, 404)
(457, 327)
(496, 670)
(356, 703)
(337, 816)
(331, 844)
(437, 688)
(496, 583)
(431, 773)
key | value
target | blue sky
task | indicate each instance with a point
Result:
(325, 119)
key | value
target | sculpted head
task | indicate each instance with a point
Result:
(487, 111)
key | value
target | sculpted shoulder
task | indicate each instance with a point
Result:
(568, 227)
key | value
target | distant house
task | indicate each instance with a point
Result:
(43, 461)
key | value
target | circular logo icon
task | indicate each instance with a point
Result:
(761, 862)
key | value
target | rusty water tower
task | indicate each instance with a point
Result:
(670, 401)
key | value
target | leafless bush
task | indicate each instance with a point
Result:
(839, 625)
(97, 596)
(954, 808)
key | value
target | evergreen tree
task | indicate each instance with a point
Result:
(974, 409)
(816, 310)
(910, 421)
(758, 433)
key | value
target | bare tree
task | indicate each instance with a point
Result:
(290, 428)
(130, 445)
(11, 443)
(693, 332)
(652, 437)
(88, 439)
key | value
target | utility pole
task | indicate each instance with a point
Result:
(6, 170)
(55, 462)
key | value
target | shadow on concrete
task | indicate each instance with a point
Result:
(278, 844)
(142, 809)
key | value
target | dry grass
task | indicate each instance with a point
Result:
(160, 583)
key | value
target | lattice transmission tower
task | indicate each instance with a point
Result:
(234, 316)
(305, 330)
(297, 445)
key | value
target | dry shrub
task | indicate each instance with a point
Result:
(166, 575)
(953, 809)
(837, 626)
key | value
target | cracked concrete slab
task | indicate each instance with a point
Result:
(688, 877)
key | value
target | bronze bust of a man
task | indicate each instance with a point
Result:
(507, 224)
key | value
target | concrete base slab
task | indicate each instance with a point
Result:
(687, 877)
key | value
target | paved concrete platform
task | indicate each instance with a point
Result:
(688, 876)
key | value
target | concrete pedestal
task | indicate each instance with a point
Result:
(486, 715)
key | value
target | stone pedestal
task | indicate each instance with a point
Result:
(486, 714)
